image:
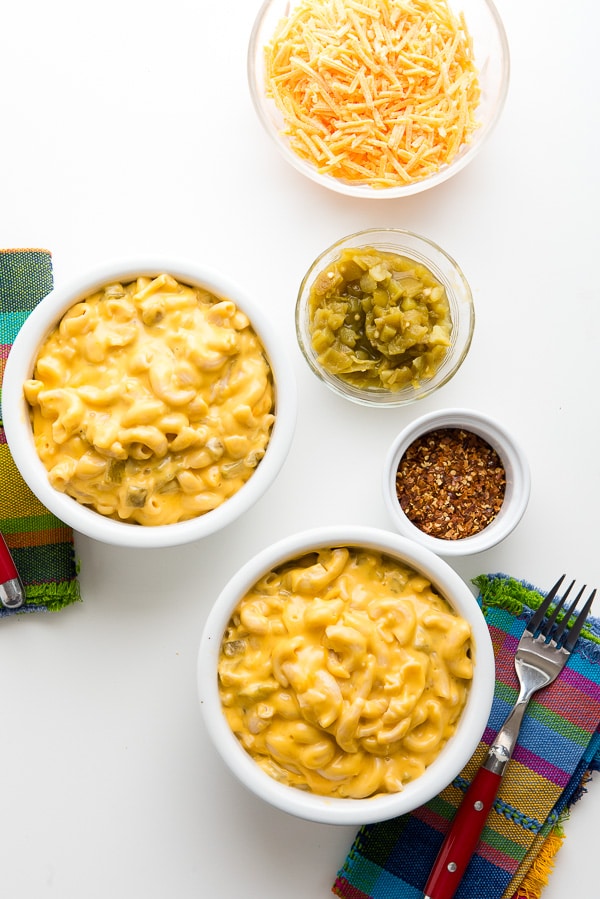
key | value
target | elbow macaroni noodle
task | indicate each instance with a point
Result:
(344, 673)
(152, 402)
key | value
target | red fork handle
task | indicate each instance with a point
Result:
(7, 567)
(12, 592)
(462, 838)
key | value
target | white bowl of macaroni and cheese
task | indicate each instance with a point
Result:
(148, 404)
(345, 675)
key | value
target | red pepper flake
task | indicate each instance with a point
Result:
(450, 483)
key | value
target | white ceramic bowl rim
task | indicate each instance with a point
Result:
(322, 809)
(518, 479)
(19, 437)
(467, 153)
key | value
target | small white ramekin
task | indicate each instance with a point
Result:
(518, 481)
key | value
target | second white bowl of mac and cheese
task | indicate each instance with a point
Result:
(346, 675)
(148, 404)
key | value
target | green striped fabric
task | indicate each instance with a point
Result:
(41, 545)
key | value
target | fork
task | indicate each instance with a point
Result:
(541, 655)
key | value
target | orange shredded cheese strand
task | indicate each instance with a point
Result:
(375, 92)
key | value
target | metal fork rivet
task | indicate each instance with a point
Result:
(452, 867)
(478, 805)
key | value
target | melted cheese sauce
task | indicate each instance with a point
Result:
(345, 673)
(152, 402)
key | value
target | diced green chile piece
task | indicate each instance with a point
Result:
(379, 320)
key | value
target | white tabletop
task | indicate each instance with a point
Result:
(127, 129)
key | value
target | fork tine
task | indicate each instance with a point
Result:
(548, 623)
(579, 622)
(567, 616)
(538, 617)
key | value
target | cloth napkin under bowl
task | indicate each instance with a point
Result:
(557, 751)
(41, 546)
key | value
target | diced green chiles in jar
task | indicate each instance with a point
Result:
(379, 320)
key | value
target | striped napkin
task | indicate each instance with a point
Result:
(40, 544)
(557, 751)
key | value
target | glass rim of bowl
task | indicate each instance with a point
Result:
(492, 56)
(444, 268)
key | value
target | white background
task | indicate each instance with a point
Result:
(126, 128)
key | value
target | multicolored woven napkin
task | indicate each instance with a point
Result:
(558, 748)
(40, 544)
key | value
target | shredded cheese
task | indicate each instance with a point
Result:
(375, 92)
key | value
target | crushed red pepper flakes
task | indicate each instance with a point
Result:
(450, 483)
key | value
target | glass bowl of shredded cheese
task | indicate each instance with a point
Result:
(148, 403)
(380, 98)
(384, 317)
(345, 674)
